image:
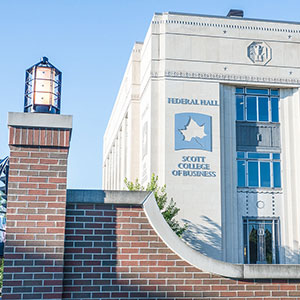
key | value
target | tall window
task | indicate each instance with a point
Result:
(261, 240)
(258, 169)
(257, 105)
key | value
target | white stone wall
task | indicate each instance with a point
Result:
(121, 138)
(204, 58)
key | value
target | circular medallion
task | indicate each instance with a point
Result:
(260, 204)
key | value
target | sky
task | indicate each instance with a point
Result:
(90, 41)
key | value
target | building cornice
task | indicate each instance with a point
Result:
(227, 77)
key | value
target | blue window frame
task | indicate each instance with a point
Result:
(261, 240)
(257, 105)
(258, 170)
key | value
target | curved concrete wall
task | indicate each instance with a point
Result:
(208, 264)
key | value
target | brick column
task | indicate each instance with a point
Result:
(33, 259)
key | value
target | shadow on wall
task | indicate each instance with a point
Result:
(204, 237)
(289, 256)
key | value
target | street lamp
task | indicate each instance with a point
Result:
(42, 88)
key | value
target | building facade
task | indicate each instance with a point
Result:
(211, 105)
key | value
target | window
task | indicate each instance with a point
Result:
(261, 240)
(257, 105)
(258, 170)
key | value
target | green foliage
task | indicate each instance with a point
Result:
(169, 209)
(1, 272)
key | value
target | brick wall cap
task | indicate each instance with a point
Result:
(209, 264)
(106, 197)
(17, 119)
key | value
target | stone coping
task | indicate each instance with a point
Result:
(106, 197)
(177, 245)
(41, 120)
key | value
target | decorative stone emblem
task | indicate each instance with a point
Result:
(260, 204)
(259, 53)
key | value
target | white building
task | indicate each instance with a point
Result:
(211, 105)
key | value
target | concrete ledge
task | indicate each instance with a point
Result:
(272, 271)
(208, 264)
(106, 197)
(17, 119)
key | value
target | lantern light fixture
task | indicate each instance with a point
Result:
(42, 88)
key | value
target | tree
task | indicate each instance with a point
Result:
(169, 209)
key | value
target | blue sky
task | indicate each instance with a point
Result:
(90, 42)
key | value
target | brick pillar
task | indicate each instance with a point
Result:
(33, 259)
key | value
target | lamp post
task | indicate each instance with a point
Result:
(42, 88)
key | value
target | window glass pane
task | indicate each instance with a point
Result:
(276, 242)
(252, 173)
(240, 154)
(274, 108)
(239, 90)
(241, 173)
(257, 91)
(276, 174)
(263, 109)
(275, 92)
(240, 108)
(260, 241)
(245, 243)
(258, 155)
(265, 178)
(253, 244)
(269, 243)
(276, 155)
(251, 109)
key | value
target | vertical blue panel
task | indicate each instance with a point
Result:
(253, 173)
(241, 173)
(265, 178)
(263, 109)
(251, 109)
(274, 108)
(240, 108)
(276, 174)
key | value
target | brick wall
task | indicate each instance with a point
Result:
(34, 248)
(93, 250)
(112, 252)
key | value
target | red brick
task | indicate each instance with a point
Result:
(23, 136)
(39, 167)
(37, 217)
(36, 137)
(37, 179)
(37, 192)
(47, 186)
(11, 135)
(27, 185)
(18, 179)
(55, 230)
(57, 180)
(19, 153)
(29, 160)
